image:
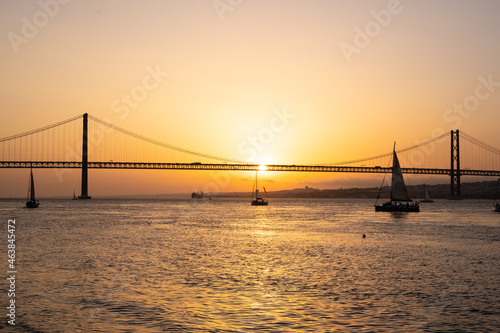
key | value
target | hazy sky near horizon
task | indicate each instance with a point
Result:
(352, 76)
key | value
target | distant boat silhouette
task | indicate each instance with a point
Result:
(197, 195)
(427, 197)
(74, 196)
(258, 201)
(399, 193)
(496, 204)
(31, 201)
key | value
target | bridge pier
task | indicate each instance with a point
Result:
(84, 194)
(455, 166)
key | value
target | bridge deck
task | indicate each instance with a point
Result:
(240, 167)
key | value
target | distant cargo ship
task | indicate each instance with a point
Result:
(197, 195)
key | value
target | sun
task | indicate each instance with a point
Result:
(262, 167)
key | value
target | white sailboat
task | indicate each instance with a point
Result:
(399, 194)
(427, 197)
(258, 201)
(31, 201)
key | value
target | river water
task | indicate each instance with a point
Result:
(226, 266)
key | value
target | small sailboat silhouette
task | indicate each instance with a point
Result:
(399, 193)
(427, 197)
(31, 201)
(496, 204)
(258, 201)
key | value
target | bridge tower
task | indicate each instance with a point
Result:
(455, 166)
(84, 194)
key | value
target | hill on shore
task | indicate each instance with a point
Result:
(475, 190)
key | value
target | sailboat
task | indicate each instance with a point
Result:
(74, 196)
(496, 204)
(258, 201)
(31, 202)
(427, 197)
(399, 194)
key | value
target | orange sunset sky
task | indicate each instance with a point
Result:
(351, 78)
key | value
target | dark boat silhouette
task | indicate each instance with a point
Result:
(197, 195)
(31, 201)
(496, 204)
(258, 201)
(400, 201)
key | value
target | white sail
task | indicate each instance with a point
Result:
(426, 195)
(398, 187)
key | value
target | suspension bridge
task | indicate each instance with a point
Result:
(86, 142)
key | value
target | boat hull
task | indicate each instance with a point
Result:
(197, 195)
(32, 204)
(397, 208)
(260, 202)
(430, 200)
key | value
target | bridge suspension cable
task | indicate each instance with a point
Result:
(62, 144)
(41, 129)
(55, 142)
(159, 143)
(399, 151)
(476, 154)
(480, 143)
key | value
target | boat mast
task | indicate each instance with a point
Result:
(393, 167)
(496, 192)
(256, 186)
(253, 185)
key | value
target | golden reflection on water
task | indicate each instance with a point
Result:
(227, 266)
